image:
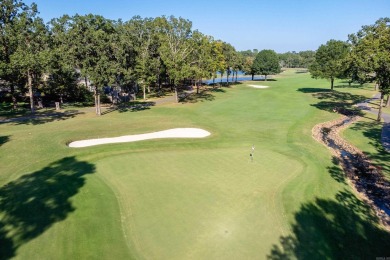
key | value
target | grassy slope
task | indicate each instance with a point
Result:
(366, 135)
(184, 198)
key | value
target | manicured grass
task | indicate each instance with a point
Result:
(185, 198)
(366, 135)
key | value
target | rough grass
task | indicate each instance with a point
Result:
(183, 198)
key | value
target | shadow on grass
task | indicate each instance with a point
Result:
(335, 101)
(373, 131)
(136, 106)
(33, 203)
(343, 228)
(4, 139)
(263, 80)
(217, 90)
(133, 106)
(336, 172)
(349, 86)
(42, 118)
(194, 97)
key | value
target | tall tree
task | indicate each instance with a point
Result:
(32, 54)
(175, 34)
(62, 81)
(266, 63)
(218, 62)
(371, 54)
(92, 46)
(146, 44)
(229, 56)
(11, 12)
(201, 60)
(329, 61)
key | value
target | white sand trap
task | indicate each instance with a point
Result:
(258, 86)
(171, 133)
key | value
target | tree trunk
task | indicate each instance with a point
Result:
(176, 95)
(144, 90)
(253, 76)
(380, 108)
(14, 102)
(236, 76)
(86, 82)
(227, 77)
(99, 111)
(388, 101)
(197, 87)
(213, 80)
(265, 77)
(331, 83)
(97, 102)
(30, 91)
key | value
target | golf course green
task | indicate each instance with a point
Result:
(188, 198)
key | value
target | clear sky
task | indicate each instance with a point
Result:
(281, 25)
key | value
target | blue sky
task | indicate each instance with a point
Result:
(246, 24)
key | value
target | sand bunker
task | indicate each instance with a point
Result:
(171, 133)
(258, 86)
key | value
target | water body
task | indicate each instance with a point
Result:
(232, 79)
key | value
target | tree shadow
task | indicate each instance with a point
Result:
(344, 228)
(194, 97)
(135, 106)
(4, 139)
(373, 131)
(217, 90)
(336, 172)
(335, 101)
(348, 86)
(33, 203)
(42, 118)
(313, 90)
(263, 80)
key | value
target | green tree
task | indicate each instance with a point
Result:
(266, 63)
(307, 58)
(145, 43)
(91, 43)
(32, 53)
(218, 60)
(11, 11)
(229, 54)
(371, 55)
(329, 61)
(176, 47)
(201, 60)
(62, 81)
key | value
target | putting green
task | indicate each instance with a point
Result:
(199, 205)
(185, 198)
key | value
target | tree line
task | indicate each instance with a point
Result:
(48, 60)
(142, 53)
(365, 57)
